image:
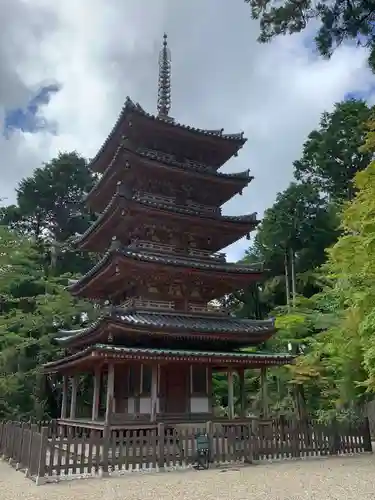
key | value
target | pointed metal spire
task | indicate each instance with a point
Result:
(164, 89)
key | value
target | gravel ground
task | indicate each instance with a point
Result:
(346, 478)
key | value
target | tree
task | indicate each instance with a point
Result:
(331, 155)
(337, 21)
(51, 208)
(34, 307)
(50, 201)
(340, 354)
(300, 220)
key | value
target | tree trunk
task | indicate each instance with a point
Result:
(293, 273)
(287, 291)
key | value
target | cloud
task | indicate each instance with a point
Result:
(102, 50)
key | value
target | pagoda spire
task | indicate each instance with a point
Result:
(164, 88)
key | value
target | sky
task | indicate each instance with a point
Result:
(66, 68)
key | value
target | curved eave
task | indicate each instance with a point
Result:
(238, 180)
(176, 325)
(130, 108)
(117, 256)
(238, 225)
(135, 261)
(98, 353)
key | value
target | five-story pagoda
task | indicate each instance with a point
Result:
(153, 351)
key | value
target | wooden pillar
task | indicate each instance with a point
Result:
(230, 395)
(110, 392)
(154, 391)
(73, 401)
(264, 392)
(241, 374)
(96, 394)
(64, 402)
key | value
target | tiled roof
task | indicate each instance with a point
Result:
(202, 169)
(174, 354)
(135, 107)
(183, 352)
(177, 260)
(175, 321)
(249, 219)
(242, 178)
(168, 259)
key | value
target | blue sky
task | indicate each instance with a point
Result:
(30, 118)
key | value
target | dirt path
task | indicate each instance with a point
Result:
(349, 478)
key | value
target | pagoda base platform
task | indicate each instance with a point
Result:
(143, 422)
(119, 422)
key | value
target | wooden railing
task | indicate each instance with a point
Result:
(137, 302)
(156, 198)
(206, 308)
(203, 208)
(170, 200)
(166, 248)
(169, 158)
(153, 245)
(206, 254)
(48, 455)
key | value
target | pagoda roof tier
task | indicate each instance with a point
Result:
(121, 269)
(134, 122)
(98, 354)
(127, 164)
(125, 325)
(128, 211)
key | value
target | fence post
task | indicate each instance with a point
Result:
(335, 438)
(210, 435)
(19, 449)
(2, 424)
(33, 429)
(5, 440)
(12, 443)
(367, 445)
(296, 438)
(104, 471)
(161, 442)
(42, 455)
(251, 445)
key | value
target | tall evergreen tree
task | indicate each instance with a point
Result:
(336, 22)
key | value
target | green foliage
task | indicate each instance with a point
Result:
(331, 155)
(351, 263)
(336, 22)
(50, 202)
(338, 331)
(332, 320)
(34, 307)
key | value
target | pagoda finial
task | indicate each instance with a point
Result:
(164, 90)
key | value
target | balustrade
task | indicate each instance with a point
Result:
(156, 198)
(203, 208)
(153, 245)
(170, 200)
(166, 248)
(205, 308)
(206, 254)
(169, 158)
(140, 303)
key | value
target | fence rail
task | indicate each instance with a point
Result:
(50, 451)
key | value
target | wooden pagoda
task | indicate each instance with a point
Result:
(153, 351)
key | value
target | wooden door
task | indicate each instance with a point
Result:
(176, 388)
